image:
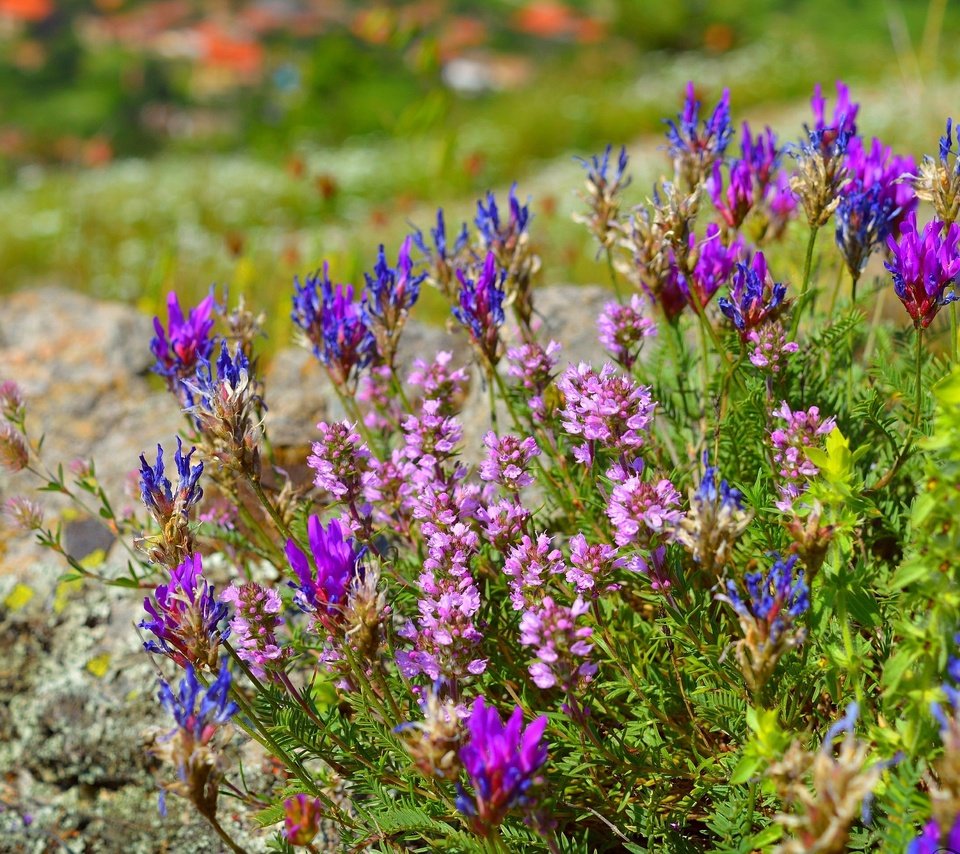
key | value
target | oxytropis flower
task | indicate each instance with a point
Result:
(301, 819)
(714, 521)
(502, 764)
(335, 326)
(803, 429)
(391, 293)
(198, 713)
(607, 409)
(842, 787)
(434, 743)
(770, 347)
(709, 263)
(323, 587)
(179, 348)
(480, 308)
(603, 195)
(562, 649)
(925, 266)
(441, 258)
(256, 615)
(185, 617)
(768, 617)
(624, 328)
(695, 147)
(754, 296)
(938, 180)
(507, 460)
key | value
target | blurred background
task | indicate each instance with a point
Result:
(147, 145)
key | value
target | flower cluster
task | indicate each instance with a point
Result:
(803, 429)
(256, 615)
(624, 328)
(696, 146)
(170, 510)
(185, 342)
(507, 460)
(562, 649)
(391, 293)
(604, 186)
(754, 297)
(938, 180)
(608, 410)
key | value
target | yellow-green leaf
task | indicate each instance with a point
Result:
(99, 665)
(18, 597)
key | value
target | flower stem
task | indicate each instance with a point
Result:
(613, 276)
(228, 841)
(804, 291)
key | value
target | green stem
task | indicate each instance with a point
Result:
(613, 276)
(953, 331)
(227, 840)
(271, 509)
(804, 291)
(492, 395)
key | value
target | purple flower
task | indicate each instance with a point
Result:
(179, 351)
(734, 204)
(598, 170)
(334, 325)
(773, 600)
(591, 565)
(865, 217)
(256, 616)
(12, 404)
(761, 155)
(880, 167)
(504, 523)
(639, 511)
(503, 764)
(439, 382)
(156, 489)
(925, 267)
(771, 347)
(624, 328)
(215, 708)
(552, 629)
(390, 294)
(781, 201)
(480, 308)
(499, 236)
(695, 148)
(606, 409)
(22, 514)
(14, 453)
(802, 430)
(507, 460)
(439, 254)
(527, 564)
(937, 838)
(323, 586)
(712, 262)
(340, 460)
(655, 569)
(844, 113)
(533, 364)
(754, 297)
(185, 617)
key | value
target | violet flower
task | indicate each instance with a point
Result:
(592, 565)
(563, 649)
(604, 187)
(185, 617)
(503, 523)
(335, 326)
(498, 235)
(938, 180)
(624, 328)
(527, 566)
(754, 296)
(640, 511)
(607, 409)
(803, 429)
(508, 458)
(391, 293)
(156, 489)
(439, 256)
(770, 347)
(937, 838)
(503, 765)
(761, 154)
(925, 266)
(179, 348)
(480, 308)
(712, 262)
(301, 819)
(735, 202)
(323, 586)
(255, 619)
(695, 148)
(340, 460)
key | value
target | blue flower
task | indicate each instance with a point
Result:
(155, 487)
(598, 167)
(439, 251)
(754, 296)
(188, 340)
(773, 600)
(496, 234)
(696, 148)
(480, 307)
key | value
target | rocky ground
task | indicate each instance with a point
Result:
(77, 694)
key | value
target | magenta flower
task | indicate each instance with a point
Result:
(802, 430)
(185, 617)
(507, 460)
(591, 565)
(925, 266)
(526, 565)
(733, 203)
(844, 113)
(440, 382)
(503, 523)
(608, 410)
(771, 347)
(480, 307)
(301, 819)
(713, 262)
(624, 328)
(754, 297)
(562, 649)
(179, 348)
(639, 511)
(503, 764)
(256, 616)
(761, 154)
(323, 586)
(340, 460)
